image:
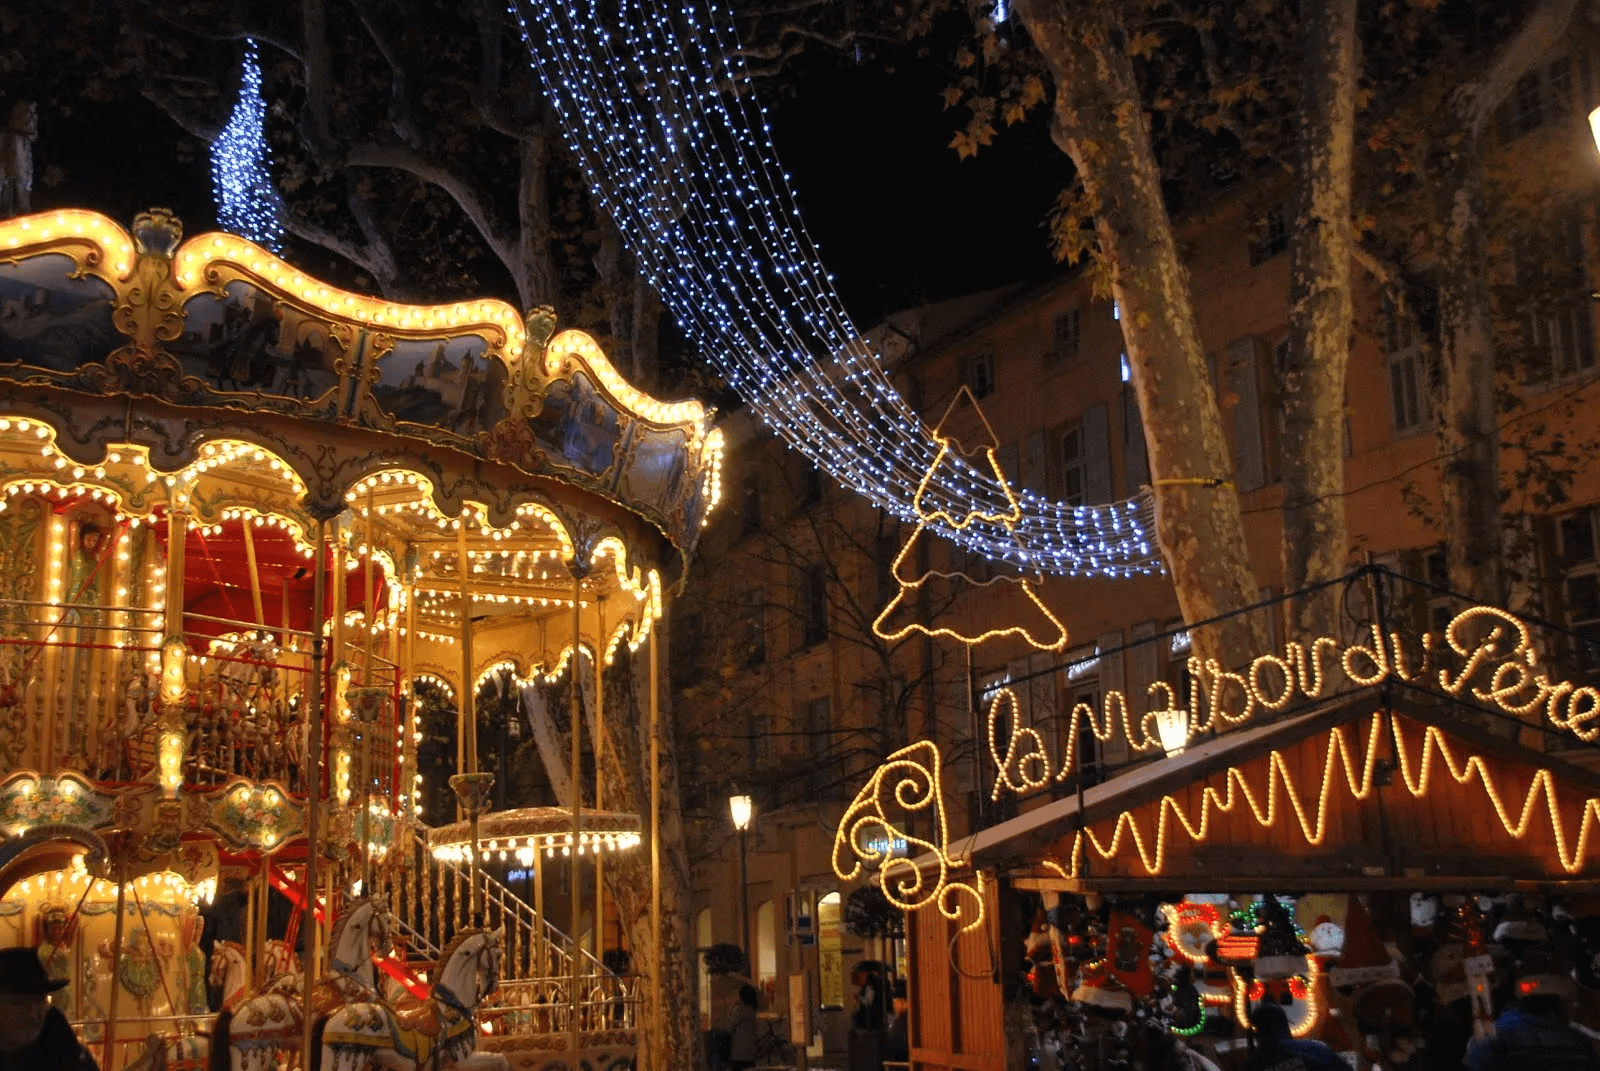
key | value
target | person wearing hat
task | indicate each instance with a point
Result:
(34, 1035)
(896, 1043)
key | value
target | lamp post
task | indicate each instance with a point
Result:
(742, 808)
(1594, 126)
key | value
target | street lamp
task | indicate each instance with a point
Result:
(1594, 126)
(1172, 726)
(742, 808)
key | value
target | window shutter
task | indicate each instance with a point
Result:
(1033, 462)
(1042, 693)
(1248, 465)
(1016, 670)
(1115, 750)
(1006, 457)
(1135, 458)
(1144, 668)
(1097, 455)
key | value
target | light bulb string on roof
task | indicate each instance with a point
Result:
(695, 189)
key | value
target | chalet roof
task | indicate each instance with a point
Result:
(1021, 843)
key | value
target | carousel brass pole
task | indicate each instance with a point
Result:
(657, 1042)
(263, 892)
(312, 777)
(577, 803)
(467, 724)
(472, 792)
(408, 659)
(599, 745)
(255, 577)
(119, 844)
(369, 613)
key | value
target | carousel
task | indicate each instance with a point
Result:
(245, 518)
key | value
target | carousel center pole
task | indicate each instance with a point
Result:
(657, 1041)
(577, 807)
(599, 745)
(472, 794)
(120, 844)
(312, 778)
(467, 722)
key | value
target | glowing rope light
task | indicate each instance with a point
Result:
(1417, 774)
(688, 173)
(247, 203)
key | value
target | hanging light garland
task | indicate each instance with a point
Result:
(687, 171)
(247, 203)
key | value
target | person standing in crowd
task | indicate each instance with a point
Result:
(1276, 1050)
(741, 1027)
(896, 1042)
(33, 1035)
(1533, 1033)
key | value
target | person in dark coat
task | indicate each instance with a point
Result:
(1533, 1033)
(896, 1042)
(33, 1035)
(1277, 1050)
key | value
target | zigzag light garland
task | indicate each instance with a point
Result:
(687, 171)
(1417, 774)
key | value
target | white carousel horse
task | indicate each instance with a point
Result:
(230, 971)
(246, 1038)
(441, 1032)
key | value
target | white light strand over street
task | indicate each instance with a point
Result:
(689, 174)
(247, 203)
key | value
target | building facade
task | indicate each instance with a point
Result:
(784, 690)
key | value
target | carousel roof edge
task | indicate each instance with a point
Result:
(216, 321)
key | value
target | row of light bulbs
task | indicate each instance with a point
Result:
(688, 172)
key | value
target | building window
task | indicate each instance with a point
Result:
(1540, 96)
(977, 374)
(755, 627)
(1065, 345)
(1578, 544)
(810, 484)
(1409, 382)
(750, 507)
(1563, 340)
(759, 739)
(814, 604)
(1074, 466)
(819, 730)
(1270, 235)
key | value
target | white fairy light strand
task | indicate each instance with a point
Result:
(689, 175)
(247, 203)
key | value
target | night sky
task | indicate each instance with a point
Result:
(899, 216)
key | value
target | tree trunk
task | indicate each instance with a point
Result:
(627, 788)
(1315, 535)
(1469, 444)
(1100, 122)
(535, 270)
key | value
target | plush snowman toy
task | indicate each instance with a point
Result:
(1326, 939)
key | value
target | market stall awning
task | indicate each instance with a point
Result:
(1372, 790)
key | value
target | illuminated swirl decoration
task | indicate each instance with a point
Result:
(677, 151)
(869, 837)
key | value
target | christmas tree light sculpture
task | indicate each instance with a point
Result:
(247, 203)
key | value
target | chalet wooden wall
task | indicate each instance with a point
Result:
(957, 1019)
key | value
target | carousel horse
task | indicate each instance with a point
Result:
(247, 1037)
(440, 1032)
(230, 970)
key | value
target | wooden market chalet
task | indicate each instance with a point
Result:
(1391, 847)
